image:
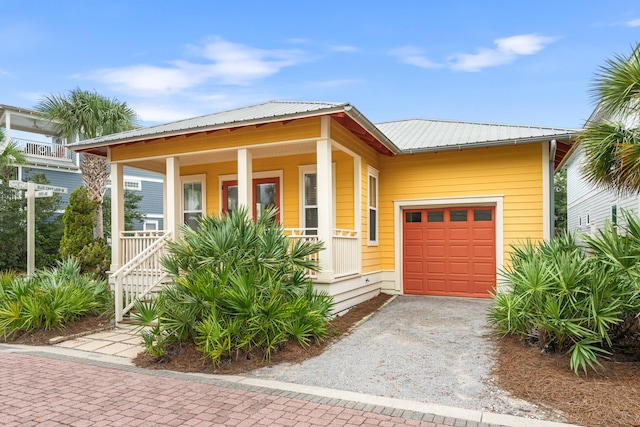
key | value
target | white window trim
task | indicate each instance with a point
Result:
(202, 179)
(305, 169)
(144, 225)
(256, 175)
(137, 181)
(372, 172)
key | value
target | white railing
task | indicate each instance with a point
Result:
(345, 252)
(134, 242)
(305, 234)
(42, 149)
(138, 277)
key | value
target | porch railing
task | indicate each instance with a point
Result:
(305, 234)
(345, 249)
(138, 277)
(346, 255)
(46, 150)
(135, 242)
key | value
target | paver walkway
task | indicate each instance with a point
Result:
(122, 342)
(46, 392)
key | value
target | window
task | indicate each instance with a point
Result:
(373, 206)
(310, 202)
(437, 216)
(482, 215)
(193, 200)
(150, 226)
(413, 217)
(266, 195)
(130, 184)
(458, 216)
(614, 214)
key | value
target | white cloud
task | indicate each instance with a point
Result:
(4, 73)
(219, 60)
(506, 51)
(414, 56)
(634, 23)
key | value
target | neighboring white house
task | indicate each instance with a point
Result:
(588, 206)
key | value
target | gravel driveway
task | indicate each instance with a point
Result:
(430, 349)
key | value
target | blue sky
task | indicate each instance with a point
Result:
(522, 62)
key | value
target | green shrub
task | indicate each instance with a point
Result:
(239, 285)
(570, 298)
(50, 298)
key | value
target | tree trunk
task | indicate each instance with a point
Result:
(95, 175)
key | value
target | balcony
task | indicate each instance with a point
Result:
(46, 153)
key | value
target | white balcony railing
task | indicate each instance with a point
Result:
(306, 234)
(45, 150)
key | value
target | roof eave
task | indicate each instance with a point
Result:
(87, 144)
(496, 143)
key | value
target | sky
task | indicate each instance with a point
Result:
(517, 62)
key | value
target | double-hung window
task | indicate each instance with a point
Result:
(193, 201)
(373, 207)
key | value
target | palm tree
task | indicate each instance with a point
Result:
(89, 115)
(611, 137)
(10, 155)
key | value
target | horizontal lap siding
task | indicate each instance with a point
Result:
(241, 137)
(512, 171)
(290, 185)
(370, 254)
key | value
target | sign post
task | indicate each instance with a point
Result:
(42, 191)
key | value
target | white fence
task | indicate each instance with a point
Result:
(135, 242)
(346, 253)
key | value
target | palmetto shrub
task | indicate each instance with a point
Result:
(238, 286)
(571, 298)
(50, 298)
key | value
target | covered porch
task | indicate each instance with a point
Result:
(315, 184)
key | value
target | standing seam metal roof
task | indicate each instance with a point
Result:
(425, 134)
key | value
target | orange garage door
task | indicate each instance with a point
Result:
(449, 251)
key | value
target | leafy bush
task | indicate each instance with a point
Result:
(239, 285)
(50, 298)
(570, 298)
(77, 240)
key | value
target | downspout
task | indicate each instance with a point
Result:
(552, 216)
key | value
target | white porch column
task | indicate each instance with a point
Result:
(7, 128)
(117, 214)
(325, 208)
(173, 195)
(245, 180)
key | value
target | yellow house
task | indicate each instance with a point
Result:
(413, 206)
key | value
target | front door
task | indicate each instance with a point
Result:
(266, 194)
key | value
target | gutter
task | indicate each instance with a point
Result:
(502, 142)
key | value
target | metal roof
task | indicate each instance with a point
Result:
(416, 135)
(241, 116)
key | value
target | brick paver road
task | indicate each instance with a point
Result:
(44, 391)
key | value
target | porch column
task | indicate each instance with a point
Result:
(245, 180)
(117, 214)
(173, 195)
(325, 208)
(7, 128)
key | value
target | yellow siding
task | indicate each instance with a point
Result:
(241, 137)
(290, 185)
(370, 157)
(512, 171)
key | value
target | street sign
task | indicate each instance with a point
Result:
(44, 193)
(44, 187)
(18, 185)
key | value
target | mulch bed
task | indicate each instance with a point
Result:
(184, 357)
(610, 397)
(42, 337)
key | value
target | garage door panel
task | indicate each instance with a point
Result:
(435, 267)
(443, 256)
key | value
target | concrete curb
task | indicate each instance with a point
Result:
(480, 418)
